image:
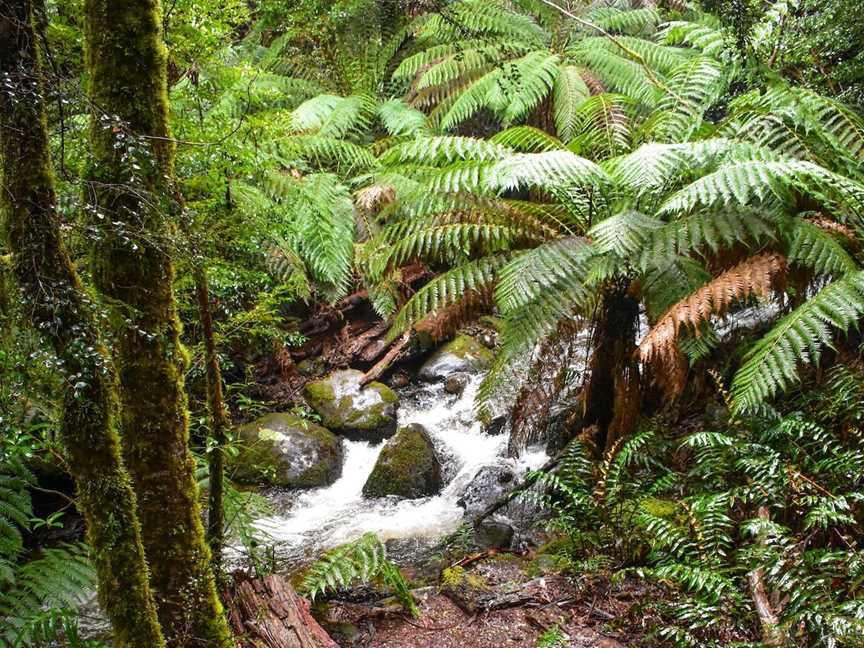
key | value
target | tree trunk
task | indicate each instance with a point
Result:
(611, 397)
(268, 613)
(219, 424)
(131, 181)
(59, 309)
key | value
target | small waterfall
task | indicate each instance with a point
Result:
(321, 518)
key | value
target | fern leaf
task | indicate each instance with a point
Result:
(772, 364)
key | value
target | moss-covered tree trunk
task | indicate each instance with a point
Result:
(219, 423)
(132, 182)
(59, 309)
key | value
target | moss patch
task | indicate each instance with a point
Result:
(407, 467)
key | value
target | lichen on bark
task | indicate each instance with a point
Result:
(132, 179)
(58, 307)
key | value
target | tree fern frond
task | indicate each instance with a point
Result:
(400, 119)
(448, 288)
(757, 181)
(623, 234)
(708, 38)
(772, 364)
(759, 275)
(440, 150)
(569, 92)
(528, 139)
(813, 247)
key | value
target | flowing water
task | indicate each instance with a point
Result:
(315, 520)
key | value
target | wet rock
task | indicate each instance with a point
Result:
(310, 367)
(456, 384)
(286, 450)
(407, 466)
(464, 354)
(364, 412)
(400, 380)
(495, 426)
(488, 340)
(493, 534)
(488, 486)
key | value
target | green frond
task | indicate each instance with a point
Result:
(653, 166)
(813, 247)
(630, 21)
(711, 230)
(693, 87)
(747, 183)
(623, 234)
(569, 92)
(322, 152)
(772, 364)
(364, 560)
(400, 119)
(333, 116)
(448, 288)
(510, 92)
(604, 125)
(476, 18)
(434, 151)
(528, 139)
(618, 72)
(705, 36)
(454, 242)
(549, 170)
(525, 278)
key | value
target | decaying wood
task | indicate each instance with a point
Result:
(388, 358)
(268, 613)
(772, 635)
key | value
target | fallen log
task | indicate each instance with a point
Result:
(268, 613)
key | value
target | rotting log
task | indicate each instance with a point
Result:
(268, 613)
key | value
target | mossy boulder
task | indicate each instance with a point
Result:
(349, 408)
(408, 466)
(463, 354)
(286, 450)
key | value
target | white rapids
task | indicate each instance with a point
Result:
(322, 518)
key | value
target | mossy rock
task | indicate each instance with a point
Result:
(463, 354)
(286, 450)
(311, 367)
(408, 466)
(349, 408)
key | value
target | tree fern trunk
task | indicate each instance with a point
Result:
(132, 184)
(611, 396)
(59, 309)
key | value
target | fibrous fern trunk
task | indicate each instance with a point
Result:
(131, 180)
(611, 395)
(59, 309)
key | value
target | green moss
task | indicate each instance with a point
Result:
(319, 393)
(407, 466)
(465, 346)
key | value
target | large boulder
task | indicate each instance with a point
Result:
(286, 450)
(349, 408)
(489, 484)
(407, 466)
(463, 354)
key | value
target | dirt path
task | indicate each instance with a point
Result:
(494, 603)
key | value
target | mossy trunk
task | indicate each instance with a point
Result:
(131, 181)
(611, 397)
(58, 307)
(219, 423)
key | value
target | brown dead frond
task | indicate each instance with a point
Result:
(759, 275)
(832, 226)
(376, 196)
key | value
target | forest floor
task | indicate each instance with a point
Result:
(500, 601)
